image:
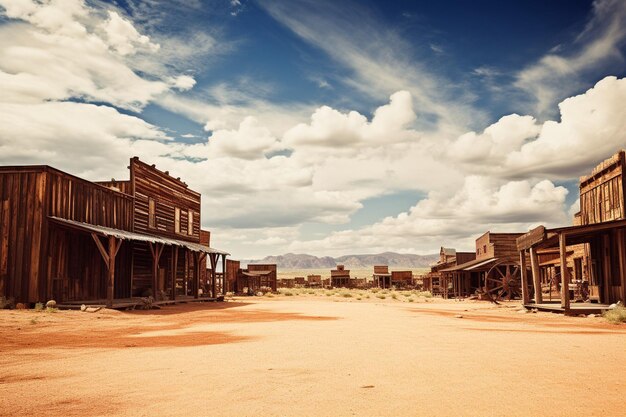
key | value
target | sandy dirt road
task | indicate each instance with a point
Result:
(310, 356)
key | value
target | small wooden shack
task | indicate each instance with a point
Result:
(401, 279)
(314, 281)
(257, 276)
(381, 276)
(591, 253)
(340, 277)
(77, 241)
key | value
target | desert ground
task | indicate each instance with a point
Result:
(311, 355)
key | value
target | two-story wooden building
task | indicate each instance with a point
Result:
(73, 240)
(593, 250)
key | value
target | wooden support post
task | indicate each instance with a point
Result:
(524, 276)
(621, 247)
(114, 246)
(213, 260)
(534, 264)
(224, 274)
(564, 272)
(156, 249)
(196, 274)
(174, 270)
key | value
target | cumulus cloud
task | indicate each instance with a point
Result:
(592, 127)
(123, 37)
(331, 128)
(481, 204)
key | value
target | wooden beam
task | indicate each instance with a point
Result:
(224, 275)
(196, 274)
(118, 246)
(564, 272)
(113, 245)
(103, 251)
(621, 247)
(524, 275)
(174, 269)
(534, 265)
(213, 260)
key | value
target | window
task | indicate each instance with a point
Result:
(189, 222)
(177, 220)
(151, 213)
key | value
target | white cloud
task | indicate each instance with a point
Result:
(331, 128)
(123, 37)
(481, 204)
(376, 57)
(555, 76)
(592, 127)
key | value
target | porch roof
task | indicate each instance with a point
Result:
(541, 237)
(138, 237)
(469, 266)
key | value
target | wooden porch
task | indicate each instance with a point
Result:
(133, 302)
(574, 308)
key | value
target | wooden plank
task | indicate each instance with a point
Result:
(113, 243)
(534, 264)
(565, 302)
(524, 276)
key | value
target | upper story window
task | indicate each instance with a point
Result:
(189, 222)
(151, 213)
(177, 220)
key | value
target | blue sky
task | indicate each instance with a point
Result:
(325, 127)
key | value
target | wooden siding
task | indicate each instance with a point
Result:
(168, 193)
(28, 195)
(602, 192)
(497, 245)
(122, 186)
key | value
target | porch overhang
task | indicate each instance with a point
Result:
(138, 237)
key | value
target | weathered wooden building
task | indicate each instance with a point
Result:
(65, 238)
(381, 276)
(591, 253)
(448, 258)
(340, 277)
(494, 271)
(254, 278)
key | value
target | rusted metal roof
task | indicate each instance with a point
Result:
(138, 237)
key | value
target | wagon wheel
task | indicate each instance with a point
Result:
(503, 281)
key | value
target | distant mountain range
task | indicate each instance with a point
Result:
(304, 261)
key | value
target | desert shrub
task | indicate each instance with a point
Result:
(367, 296)
(616, 315)
(384, 292)
(381, 296)
(269, 295)
(358, 298)
(394, 296)
(375, 290)
(52, 309)
(410, 300)
(426, 294)
(33, 321)
(39, 307)
(8, 303)
(346, 295)
(288, 293)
